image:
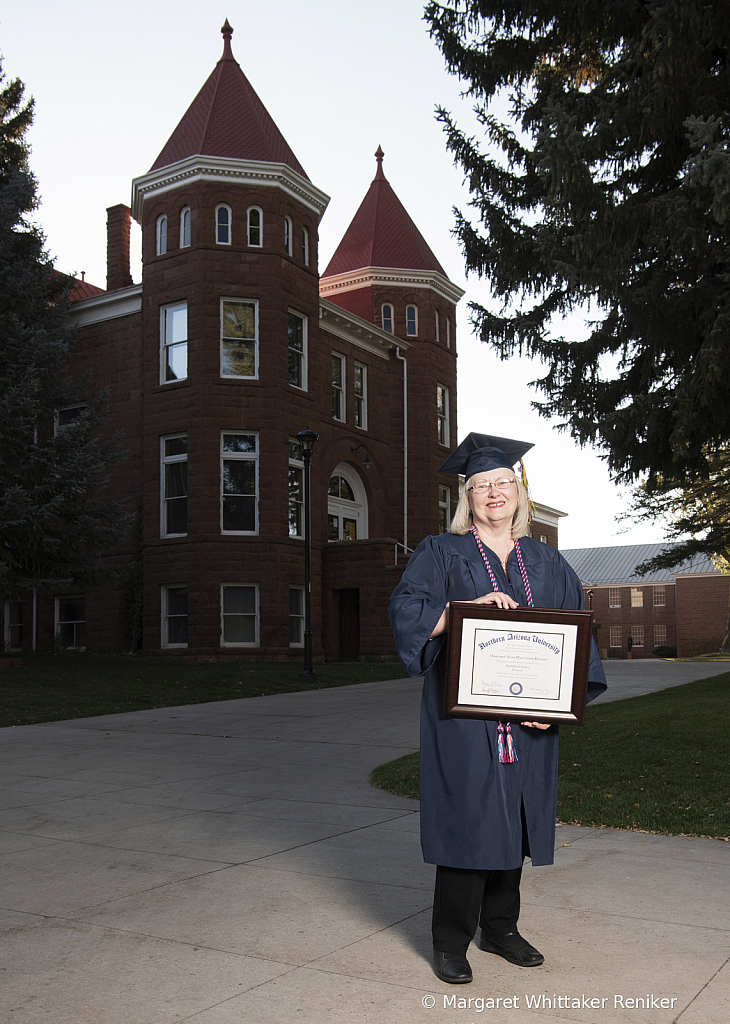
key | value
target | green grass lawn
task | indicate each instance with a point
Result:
(657, 763)
(54, 687)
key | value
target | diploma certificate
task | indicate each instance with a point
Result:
(522, 664)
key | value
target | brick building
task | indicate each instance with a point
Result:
(230, 346)
(686, 607)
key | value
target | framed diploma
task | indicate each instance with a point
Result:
(518, 664)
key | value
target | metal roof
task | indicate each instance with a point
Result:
(617, 565)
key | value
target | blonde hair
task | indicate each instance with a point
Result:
(463, 519)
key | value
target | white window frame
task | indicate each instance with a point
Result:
(166, 460)
(614, 597)
(448, 332)
(659, 597)
(80, 409)
(75, 622)
(387, 319)
(543, 538)
(637, 597)
(615, 638)
(255, 339)
(296, 461)
(303, 355)
(299, 617)
(288, 235)
(360, 400)
(161, 235)
(242, 457)
(305, 246)
(165, 616)
(256, 615)
(185, 212)
(412, 333)
(636, 633)
(250, 228)
(660, 641)
(8, 644)
(444, 493)
(442, 425)
(357, 509)
(164, 346)
(343, 377)
(218, 240)
(436, 326)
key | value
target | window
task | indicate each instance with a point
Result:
(660, 597)
(637, 635)
(444, 508)
(543, 538)
(297, 350)
(71, 621)
(615, 636)
(436, 325)
(255, 226)
(288, 235)
(239, 464)
(174, 486)
(346, 506)
(296, 489)
(239, 338)
(223, 224)
(185, 227)
(411, 321)
(161, 235)
(338, 387)
(13, 625)
(660, 636)
(305, 247)
(68, 415)
(174, 330)
(614, 597)
(442, 413)
(448, 333)
(387, 315)
(175, 616)
(239, 615)
(361, 396)
(296, 616)
(637, 597)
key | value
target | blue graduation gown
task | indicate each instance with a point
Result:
(470, 802)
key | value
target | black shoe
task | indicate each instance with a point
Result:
(512, 947)
(452, 967)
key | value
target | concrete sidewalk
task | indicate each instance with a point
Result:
(228, 863)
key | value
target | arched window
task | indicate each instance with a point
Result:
(411, 321)
(255, 226)
(223, 224)
(387, 314)
(185, 227)
(305, 247)
(347, 510)
(436, 325)
(448, 333)
(288, 236)
(161, 240)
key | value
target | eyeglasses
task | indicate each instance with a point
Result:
(498, 485)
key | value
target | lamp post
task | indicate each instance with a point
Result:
(306, 439)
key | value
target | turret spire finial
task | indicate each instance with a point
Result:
(379, 154)
(227, 32)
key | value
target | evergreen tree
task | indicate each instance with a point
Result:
(54, 526)
(606, 190)
(698, 513)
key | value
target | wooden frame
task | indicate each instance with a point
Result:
(517, 665)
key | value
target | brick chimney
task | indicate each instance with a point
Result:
(118, 274)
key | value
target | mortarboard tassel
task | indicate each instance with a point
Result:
(505, 744)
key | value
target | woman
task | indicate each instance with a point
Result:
(480, 816)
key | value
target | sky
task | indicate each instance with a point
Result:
(111, 81)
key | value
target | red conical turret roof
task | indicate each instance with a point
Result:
(227, 119)
(382, 234)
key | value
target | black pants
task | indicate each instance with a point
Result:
(464, 898)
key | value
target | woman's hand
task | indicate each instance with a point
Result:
(536, 725)
(498, 598)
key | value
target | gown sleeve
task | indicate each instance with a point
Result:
(416, 606)
(572, 597)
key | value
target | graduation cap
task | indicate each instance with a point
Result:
(479, 453)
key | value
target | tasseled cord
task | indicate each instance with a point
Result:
(505, 744)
